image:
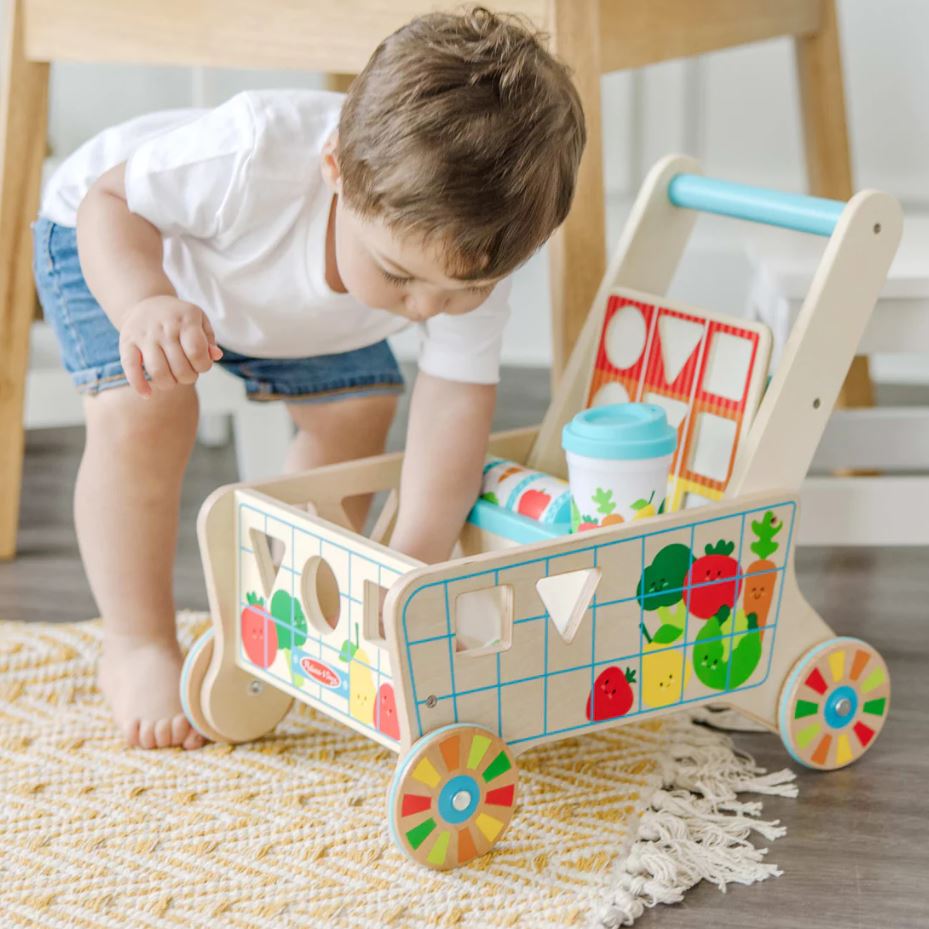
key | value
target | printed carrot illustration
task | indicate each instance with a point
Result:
(761, 575)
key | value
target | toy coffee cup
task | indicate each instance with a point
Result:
(619, 457)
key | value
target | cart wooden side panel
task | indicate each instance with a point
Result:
(642, 636)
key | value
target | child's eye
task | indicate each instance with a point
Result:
(393, 279)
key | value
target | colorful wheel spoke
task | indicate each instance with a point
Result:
(449, 748)
(502, 796)
(500, 765)
(805, 708)
(452, 796)
(489, 826)
(852, 681)
(843, 751)
(414, 803)
(822, 750)
(858, 664)
(418, 835)
(426, 773)
(439, 849)
(873, 680)
(479, 746)
(864, 733)
(815, 682)
(466, 849)
(805, 736)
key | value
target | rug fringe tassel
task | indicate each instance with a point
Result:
(696, 828)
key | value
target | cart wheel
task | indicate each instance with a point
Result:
(452, 796)
(195, 667)
(834, 704)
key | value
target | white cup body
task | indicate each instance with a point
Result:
(607, 491)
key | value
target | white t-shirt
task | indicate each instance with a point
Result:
(237, 193)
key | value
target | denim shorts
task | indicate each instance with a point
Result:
(89, 342)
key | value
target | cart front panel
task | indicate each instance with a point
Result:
(551, 640)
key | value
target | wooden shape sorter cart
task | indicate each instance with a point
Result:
(461, 666)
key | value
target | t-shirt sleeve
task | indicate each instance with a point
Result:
(467, 347)
(184, 180)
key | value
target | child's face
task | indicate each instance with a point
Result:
(389, 272)
(396, 274)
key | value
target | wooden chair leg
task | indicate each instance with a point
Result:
(339, 82)
(577, 252)
(822, 97)
(23, 116)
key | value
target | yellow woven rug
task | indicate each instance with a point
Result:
(291, 831)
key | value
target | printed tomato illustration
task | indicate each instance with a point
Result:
(533, 502)
(719, 574)
(386, 712)
(259, 634)
(612, 694)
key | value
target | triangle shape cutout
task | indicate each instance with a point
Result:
(269, 553)
(679, 338)
(566, 598)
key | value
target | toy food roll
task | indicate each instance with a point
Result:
(541, 497)
(618, 457)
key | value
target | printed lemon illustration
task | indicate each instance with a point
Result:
(361, 690)
(645, 508)
(662, 669)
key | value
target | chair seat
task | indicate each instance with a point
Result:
(783, 271)
(888, 509)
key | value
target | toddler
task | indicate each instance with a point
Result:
(285, 235)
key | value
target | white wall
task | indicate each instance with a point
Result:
(736, 110)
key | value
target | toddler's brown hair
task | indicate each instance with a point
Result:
(464, 130)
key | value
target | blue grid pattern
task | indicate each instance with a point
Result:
(600, 614)
(327, 648)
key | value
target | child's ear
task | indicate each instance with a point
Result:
(329, 163)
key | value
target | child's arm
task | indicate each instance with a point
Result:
(121, 258)
(445, 450)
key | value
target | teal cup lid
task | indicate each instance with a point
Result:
(616, 431)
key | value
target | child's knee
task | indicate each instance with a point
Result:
(161, 428)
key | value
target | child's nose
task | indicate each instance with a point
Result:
(424, 306)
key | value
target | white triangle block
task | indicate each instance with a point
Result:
(566, 598)
(679, 338)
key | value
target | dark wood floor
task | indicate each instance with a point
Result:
(857, 849)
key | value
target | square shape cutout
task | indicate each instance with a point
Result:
(728, 366)
(713, 446)
(483, 621)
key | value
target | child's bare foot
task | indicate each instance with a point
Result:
(139, 678)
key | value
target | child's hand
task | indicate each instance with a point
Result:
(169, 339)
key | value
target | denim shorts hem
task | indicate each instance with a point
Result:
(386, 388)
(89, 342)
(94, 380)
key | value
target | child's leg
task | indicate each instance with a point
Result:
(328, 433)
(126, 510)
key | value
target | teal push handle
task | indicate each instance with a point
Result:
(756, 204)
